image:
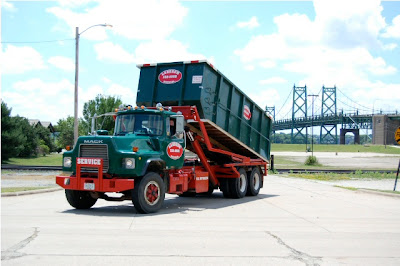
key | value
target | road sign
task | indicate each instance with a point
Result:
(397, 135)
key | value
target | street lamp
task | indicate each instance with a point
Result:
(77, 35)
(312, 123)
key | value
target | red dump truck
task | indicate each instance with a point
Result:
(181, 107)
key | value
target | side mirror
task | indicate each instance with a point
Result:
(180, 126)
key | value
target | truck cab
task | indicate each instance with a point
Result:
(143, 138)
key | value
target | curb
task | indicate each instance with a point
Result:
(30, 192)
(387, 194)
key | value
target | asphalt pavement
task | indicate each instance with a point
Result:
(291, 222)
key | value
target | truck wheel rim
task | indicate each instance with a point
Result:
(152, 193)
(256, 181)
(242, 182)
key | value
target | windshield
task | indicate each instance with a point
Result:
(140, 124)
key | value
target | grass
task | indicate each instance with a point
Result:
(348, 188)
(19, 189)
(336, 148)
(335, 176)
(49, 160)
(378, 190)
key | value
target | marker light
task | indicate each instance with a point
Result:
(135, 149)
(142, 106)
(68, 148)
(136, 107)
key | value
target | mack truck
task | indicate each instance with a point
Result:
(192, 131)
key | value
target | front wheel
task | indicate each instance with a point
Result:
(148, 196)
(79, 199)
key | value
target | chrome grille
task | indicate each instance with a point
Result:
(94, 151)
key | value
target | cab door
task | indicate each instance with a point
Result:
(174, 145)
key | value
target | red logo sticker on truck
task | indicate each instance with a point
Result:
(174, 150)
(246, 112)
(170, 76)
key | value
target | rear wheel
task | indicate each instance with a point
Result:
(148, 196)
(224, 187)
(255, 181)
(238, 186)
(79, 199)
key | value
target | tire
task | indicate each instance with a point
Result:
(224, 187)
(238, 186)
(79, 199)
(148, 196)
(254, 182)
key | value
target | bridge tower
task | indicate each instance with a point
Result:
(328, 133)
(271, 112)
(299, 109)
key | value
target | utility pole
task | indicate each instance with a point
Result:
(77, 35)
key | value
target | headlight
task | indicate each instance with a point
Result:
(129, 163)
(67, 161)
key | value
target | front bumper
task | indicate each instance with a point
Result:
(95, 184)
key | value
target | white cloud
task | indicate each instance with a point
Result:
(389, 46)
(113, 53)
(51, 101)
(62, 62)
(393, 31)
(127, 95)
(267, 64)
(144, 20)
(249, 67)
(18, 60)
(251, 24)
(267, 97)
(273, 80)
(337, 47)
(35, 98)
(164, 51)
(146, 52)
(8, 6)
(347, 24)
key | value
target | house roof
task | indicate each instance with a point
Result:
(45, 124)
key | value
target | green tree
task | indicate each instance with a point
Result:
(100, 105)
(12, 138)
(44, 134)
(32, 140)
(66, 129)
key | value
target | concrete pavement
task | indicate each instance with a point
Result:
(291, 222)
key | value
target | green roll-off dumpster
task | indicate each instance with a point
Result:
(235, 121)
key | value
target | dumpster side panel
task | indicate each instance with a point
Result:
(216, 97)
(208, 94)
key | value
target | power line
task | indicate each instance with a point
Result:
(40, 41)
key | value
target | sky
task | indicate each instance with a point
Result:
(263, 47)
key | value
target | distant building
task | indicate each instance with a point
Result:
(45, 124)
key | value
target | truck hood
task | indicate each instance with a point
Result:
(124, 143)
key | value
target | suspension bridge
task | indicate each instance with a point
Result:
(329, 120)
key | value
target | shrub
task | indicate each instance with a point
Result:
(311, 160)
